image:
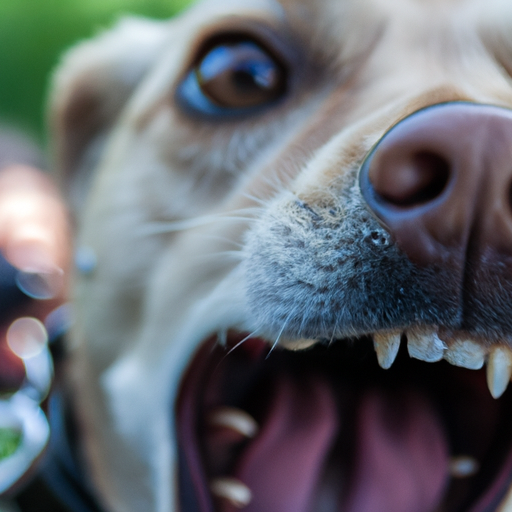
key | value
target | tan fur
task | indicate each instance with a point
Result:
(169, 206)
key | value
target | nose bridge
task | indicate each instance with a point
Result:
(440, 182)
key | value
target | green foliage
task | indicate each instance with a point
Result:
(9, 442)
(34, 33)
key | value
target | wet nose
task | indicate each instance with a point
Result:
(441, 182)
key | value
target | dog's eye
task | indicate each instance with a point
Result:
(240, 75)
(233, 78)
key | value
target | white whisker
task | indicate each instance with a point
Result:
(333, 332)
(239, 344)
(255, 199)
(180, 225)
(235, 255)
(223, 239)
(276, 342)
(242, 215)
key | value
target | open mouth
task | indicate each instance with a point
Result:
(326, 429)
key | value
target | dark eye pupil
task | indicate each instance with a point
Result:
(255, 75)
(240, 75)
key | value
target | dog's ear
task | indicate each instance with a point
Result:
(89, 91)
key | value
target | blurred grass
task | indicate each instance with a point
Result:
(9, 442)
(34, 33)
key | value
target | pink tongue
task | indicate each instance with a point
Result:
(401, 456)
(283, 464)
(401, 459)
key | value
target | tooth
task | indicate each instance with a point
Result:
(235, 419)
(301, 344)
(499, 370)
(237, 493)
(466, 353)
(463, 466)
(425, 346)
(506, 504)
(386, 346)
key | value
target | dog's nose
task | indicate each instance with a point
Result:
(441, 182)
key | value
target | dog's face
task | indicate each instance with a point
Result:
(273, 209)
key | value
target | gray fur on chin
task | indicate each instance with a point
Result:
(334, 272)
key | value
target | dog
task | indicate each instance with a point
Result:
(293, 283)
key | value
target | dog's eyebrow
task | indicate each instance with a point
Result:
(212, 9)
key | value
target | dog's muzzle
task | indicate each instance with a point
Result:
(427, 277)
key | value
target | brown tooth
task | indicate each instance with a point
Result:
(386, 346)
(232, 490)
(463, 466)
(234, 419)
(499, 369)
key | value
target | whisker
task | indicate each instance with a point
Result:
(240, 245)
(279, 336)
(239, 344)
(243, 215)
(180, 225)
(235, 255)
(257, 200)
(333, 332)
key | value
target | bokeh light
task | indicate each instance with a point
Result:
(27, 337)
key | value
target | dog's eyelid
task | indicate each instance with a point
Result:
(273, 35)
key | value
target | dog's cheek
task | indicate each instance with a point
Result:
(89, 91)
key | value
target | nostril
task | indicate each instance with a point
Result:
(414, 180)
(439, 182)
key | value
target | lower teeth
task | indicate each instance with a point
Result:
(232, 490)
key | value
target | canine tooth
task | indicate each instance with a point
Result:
(235, 419)
(463, 466)
(466, 353)
(499, 370)
(386, 346)
(301, 344)
(237, 493)
(425, 346)
(506, 504)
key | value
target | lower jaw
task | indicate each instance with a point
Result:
(333, 432)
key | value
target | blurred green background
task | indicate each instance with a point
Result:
(34, 33)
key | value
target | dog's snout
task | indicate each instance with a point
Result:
(440, 181)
